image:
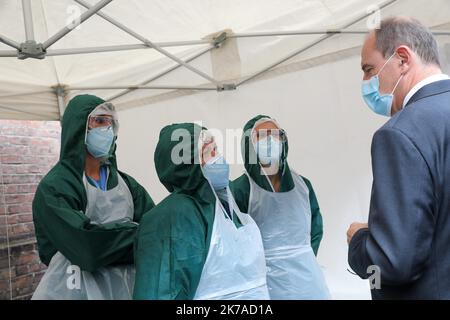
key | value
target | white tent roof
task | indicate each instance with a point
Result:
(100, 58)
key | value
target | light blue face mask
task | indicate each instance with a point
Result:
(217, 171)
(269, 150)
(99, 141)
(378, 103)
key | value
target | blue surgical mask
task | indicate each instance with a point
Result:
(378, 103)
(269, 150)
(217, 171)
(99, 141)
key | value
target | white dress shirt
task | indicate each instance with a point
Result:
(423, 83)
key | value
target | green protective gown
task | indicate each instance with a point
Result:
(173, 239)
(60, 202)
(241, 186)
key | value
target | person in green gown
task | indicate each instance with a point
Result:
(196, 244)
(286, 209)
(86, 212)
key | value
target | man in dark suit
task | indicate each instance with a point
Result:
(407, 239)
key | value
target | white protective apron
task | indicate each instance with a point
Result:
(106, 283)
(235, 266)
(284, 219)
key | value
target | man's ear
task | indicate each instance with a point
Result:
(405, 55)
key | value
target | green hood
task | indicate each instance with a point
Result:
(73, 125)
(186, 177)
(254, 170)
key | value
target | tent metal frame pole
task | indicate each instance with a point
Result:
(441, 32)
(114, 48)
(25, 93)
(28, 20)
(134, 87)
(161, 74)
(8, 53)
(10, 42)
(313, 32)
(73, 51)
(60, 106)
(151, 44)
(61, 52)
(294, 33)
(60, 92)
(86, 15)
(314, 43)
(22, 111)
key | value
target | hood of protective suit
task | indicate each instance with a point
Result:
(248, 150)
(177, 161)
(73, 133)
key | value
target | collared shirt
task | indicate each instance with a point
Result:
(102, 182)
(423, 83)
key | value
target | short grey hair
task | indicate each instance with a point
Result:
(398, 31)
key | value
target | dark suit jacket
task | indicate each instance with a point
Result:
(409, 220)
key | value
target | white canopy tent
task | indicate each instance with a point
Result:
(220, 63)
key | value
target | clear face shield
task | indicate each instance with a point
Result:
(268, 141)
(274, 133)
(103, 116)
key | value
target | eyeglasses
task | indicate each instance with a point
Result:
(279, 134)
(100, 121)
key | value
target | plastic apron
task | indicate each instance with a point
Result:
(284, 219)
(106, 283)
(235, 266)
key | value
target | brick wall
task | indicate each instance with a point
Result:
(28, 150)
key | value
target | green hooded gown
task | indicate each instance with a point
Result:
(60, 202)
